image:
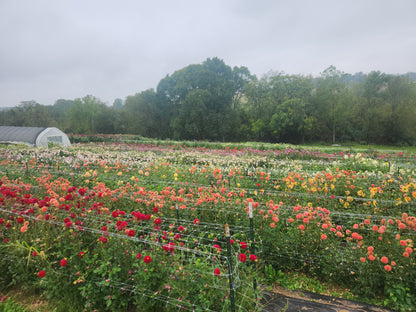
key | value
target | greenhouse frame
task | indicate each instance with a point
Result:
(33, 136)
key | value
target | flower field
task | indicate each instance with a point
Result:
(142, 227)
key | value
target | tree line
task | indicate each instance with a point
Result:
(212, 101)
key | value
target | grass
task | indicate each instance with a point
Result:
(360, 147)
(24, 300)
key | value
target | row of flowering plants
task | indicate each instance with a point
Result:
(116, 259)
(112, 220)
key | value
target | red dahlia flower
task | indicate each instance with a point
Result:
(218, 248)
(217, 272)
(242, 257)
(103, 239)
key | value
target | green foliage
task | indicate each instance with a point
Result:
(212, 101)
(399, 298)
(293, 281)
(317, 215)
(272, 276)
(9, 305)
(28, 114)
(88, 115)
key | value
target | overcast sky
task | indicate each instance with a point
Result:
(54, 49)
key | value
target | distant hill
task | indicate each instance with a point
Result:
(411, 75)
(357, 77)
(360, 77)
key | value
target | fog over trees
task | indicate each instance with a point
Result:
(212, 101)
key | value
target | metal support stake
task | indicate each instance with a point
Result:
(230, 268)
(253, 245)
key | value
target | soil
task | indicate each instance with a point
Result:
(277, 300)
(31, 302)
(290, 301)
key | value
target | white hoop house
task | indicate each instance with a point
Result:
(33, 136)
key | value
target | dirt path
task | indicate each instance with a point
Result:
(283, 300)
